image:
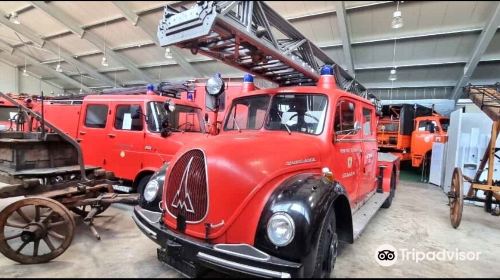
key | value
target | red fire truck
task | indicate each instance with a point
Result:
(294, 170)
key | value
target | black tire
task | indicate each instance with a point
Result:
(488, 203)
(388, 202)
(327, 247)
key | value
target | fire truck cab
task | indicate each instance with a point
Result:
(131, 135)
(293, 171)
(428, 130)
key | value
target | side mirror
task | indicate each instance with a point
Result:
(206, 117)
(357, 127)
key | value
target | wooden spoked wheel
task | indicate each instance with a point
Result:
(35, 230)
(456, 197)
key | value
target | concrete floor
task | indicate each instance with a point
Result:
(418, 218)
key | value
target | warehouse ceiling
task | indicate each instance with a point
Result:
(436, 52)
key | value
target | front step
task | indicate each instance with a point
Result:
(364, 214)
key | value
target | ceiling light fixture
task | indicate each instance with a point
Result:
(168, 53)
(104, 61)
(25, 73)
(393, 75)
(397, 18)
(58, 67)
(14, 18)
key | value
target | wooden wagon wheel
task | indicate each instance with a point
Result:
(456, 197)
(35, 230)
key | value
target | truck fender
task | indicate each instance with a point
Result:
(386, 166)
(142, 173)
(307, 199)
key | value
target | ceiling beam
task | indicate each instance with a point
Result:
(141, 24)
(54, 48)
(22, 54)
(344, 34)
(91, 37)
(481, 44)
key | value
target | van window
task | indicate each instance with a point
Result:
(129, 117)
(95, 116)
(367, 122)
(344, 117)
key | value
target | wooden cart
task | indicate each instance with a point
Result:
(488, 99)
(45, 166)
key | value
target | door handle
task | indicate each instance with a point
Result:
(79, 140)
(83, 132)
(111, 135)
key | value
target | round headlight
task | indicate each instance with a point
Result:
(151, 190)
(215, 85)
(280, 229)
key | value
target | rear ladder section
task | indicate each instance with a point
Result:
(252, 37)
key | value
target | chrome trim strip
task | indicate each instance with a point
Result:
(208, 187)
(146, 218)
(216, 248)
(243, 267)
(151, 233)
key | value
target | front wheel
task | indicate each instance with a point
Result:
(327, 247)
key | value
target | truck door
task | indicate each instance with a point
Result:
(92, 133)
(347, 147)
(126, 138)
(421, 140)
(369, 155)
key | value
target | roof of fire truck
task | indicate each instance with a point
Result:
(139, 98)
(325, 85)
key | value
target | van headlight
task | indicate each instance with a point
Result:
(151, 190)
(153, 187)
(280, 229)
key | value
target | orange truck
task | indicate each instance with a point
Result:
(409, 130)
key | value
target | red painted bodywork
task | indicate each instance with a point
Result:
(245, 167)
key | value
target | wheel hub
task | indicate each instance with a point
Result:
(33, 232)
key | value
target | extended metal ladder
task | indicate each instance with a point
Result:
(252, 37)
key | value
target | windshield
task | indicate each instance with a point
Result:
(297, 112)
(292, 112)
(444, 123)
(184, 118)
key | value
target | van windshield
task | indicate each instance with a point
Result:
(183, 119)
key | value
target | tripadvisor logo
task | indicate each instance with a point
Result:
(387, 255)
